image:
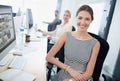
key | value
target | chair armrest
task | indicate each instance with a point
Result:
(106, 77)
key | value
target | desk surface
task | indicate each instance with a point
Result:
(36, 63)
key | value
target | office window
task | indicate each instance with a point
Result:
(95, 25)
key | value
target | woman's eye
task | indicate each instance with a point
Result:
(87, 19)
(79, 18)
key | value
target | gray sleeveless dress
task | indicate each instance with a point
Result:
(77, 54)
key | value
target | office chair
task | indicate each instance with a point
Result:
(104, 48)
(107, 77)
(59, 55)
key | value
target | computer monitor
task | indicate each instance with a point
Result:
(29, 20)
(7, 31)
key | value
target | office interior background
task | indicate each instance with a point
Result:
(43, 10)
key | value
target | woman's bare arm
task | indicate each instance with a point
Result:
(91, 64)
(50, 56)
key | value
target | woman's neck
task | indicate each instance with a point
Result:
(65, 22)
(82, 35)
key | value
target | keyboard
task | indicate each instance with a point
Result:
(18, 63)
(5, 60)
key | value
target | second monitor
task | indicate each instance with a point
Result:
(29, 20)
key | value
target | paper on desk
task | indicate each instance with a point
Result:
(24, 49)
(16, 75)
(25, 77)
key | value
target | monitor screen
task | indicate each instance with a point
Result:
(29, 20)
(7, 31)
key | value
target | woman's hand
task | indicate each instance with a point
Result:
(50, 38)
(43, 32)
(76, 75)
(39, 30)
(66, 79)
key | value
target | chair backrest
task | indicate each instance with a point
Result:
(104, 47)
(73, 28)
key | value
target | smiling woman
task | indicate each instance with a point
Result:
(79, 62)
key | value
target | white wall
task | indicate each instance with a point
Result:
(41, 10)
(114, 41)
(74, 5)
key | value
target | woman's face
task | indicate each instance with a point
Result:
(66, 16)
(83, 20)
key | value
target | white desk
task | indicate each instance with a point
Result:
(36, 63)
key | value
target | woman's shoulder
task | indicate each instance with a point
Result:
(63, 36)
(67, 33)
